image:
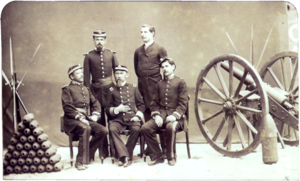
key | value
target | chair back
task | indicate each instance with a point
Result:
(62, 124)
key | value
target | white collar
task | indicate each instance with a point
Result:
(149, 43)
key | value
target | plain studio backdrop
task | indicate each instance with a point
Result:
(192, 33)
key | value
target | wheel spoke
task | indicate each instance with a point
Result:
(226, 138)
(230, 78)
(241, 84)
(212, 116)
(250, 138)
(295, 74)
(214, 88)
(248, 109)
(295, 90)
(246, 122)
(209, 101)
(230, 124)
(221, 80)
(275, 78)
(247, 95)
(219, 129)
(240, 132)
(283, 73)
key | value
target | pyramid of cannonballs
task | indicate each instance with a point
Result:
(30, 150)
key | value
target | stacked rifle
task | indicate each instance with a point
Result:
(30, 150)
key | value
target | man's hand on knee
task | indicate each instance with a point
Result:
(85, 121)
(135, 118)
(158, 120)
(171, 118)
(94, 118)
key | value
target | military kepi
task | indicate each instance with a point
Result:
(99, 33)
(121, 67)
(74, 68)
(162, 60)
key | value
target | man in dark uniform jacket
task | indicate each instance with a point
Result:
(167, 110)
(76, 101)
(100, 63)
(146, 64)
(122, 102)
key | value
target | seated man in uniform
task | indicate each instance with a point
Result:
(167, 110)
(76, 102)
(122, 101)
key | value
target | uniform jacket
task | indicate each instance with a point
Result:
(100, 65)
(170, 98)
(126, 95)
(147, 69)
(74, 96)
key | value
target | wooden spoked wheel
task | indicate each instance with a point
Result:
(220, 112)
(281, 71)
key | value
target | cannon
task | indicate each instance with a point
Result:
(231, 96)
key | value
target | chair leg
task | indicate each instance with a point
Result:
(112, 148)
(174, 148)
(142, 144)
(187, 144)
(71, 148)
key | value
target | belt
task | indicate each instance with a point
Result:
(104, 81)
(81, 110)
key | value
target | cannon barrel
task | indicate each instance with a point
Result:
(280, 98)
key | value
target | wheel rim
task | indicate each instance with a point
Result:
(282, 71)
(230, 110)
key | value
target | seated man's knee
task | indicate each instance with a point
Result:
(84, 127)
(169, 126)
(113, 129)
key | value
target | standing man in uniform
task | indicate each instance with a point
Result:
(167, 111)
(76, 101)
(122, 101)
(146, 64)
(100, 63)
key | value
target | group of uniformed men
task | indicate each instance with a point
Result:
(160, 99)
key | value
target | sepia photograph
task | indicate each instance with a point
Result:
(150, 90)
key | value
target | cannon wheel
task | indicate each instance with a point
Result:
(227, 115)
(285, 78)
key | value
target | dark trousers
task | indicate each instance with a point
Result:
(86, 148)
(103, 146)
(100, 92)
(149, 129)
(147, 116)
(115, 128)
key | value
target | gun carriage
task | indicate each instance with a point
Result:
(245, 102)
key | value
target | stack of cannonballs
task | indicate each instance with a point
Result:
(30, 150)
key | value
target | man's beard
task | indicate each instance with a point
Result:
(119, 83)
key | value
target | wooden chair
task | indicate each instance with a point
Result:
(162, 131)
(72, 138)
(125, 132)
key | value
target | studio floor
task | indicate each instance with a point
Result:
(205, 163)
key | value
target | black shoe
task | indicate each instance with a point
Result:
(79, 166)
(156, 161)
(171, 162)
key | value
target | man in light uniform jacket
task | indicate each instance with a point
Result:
(76, 102)
(167, 111)
(122, 101)
(99, 63)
